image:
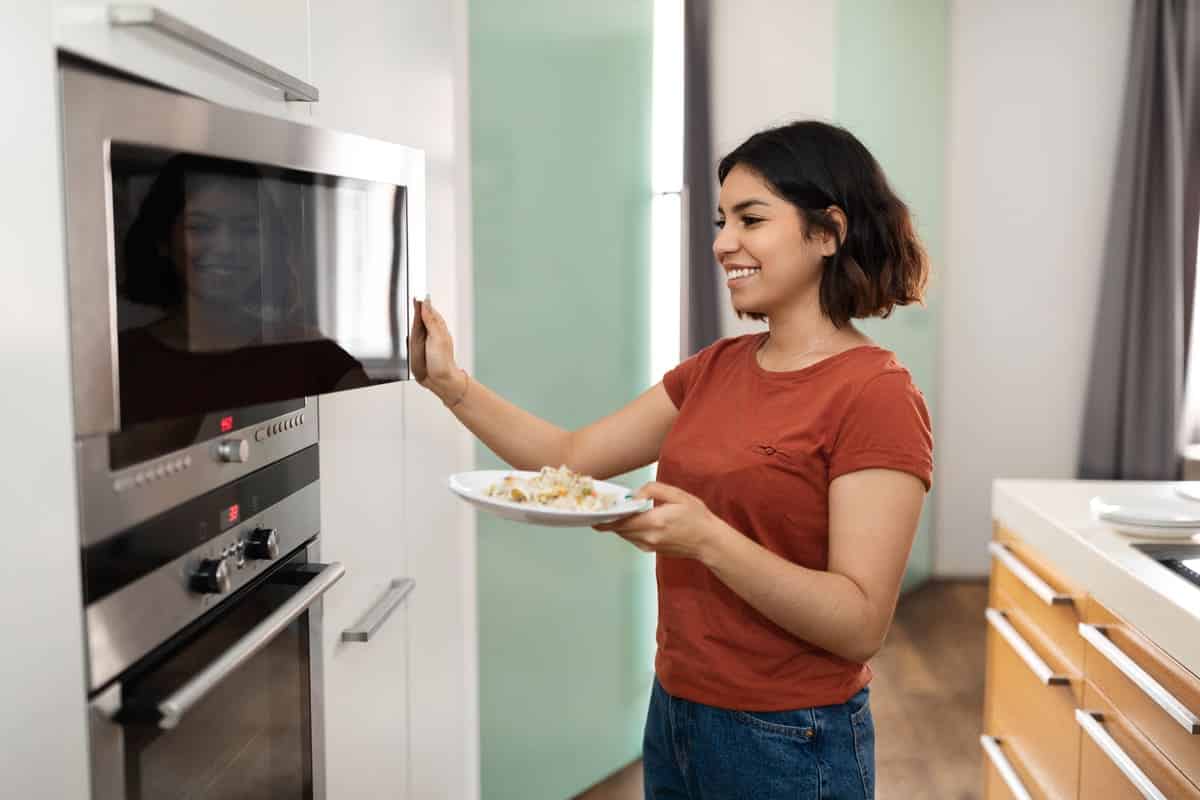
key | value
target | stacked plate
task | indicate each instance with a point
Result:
(1158, 515)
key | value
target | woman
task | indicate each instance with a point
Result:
(792, 467)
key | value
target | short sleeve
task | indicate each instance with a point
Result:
(679, 381)
(886, 427)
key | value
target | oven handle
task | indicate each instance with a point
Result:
(177, 704)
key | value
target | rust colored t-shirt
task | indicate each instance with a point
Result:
(760, 449)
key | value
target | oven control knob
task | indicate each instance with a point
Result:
(262, 544)
(212, 577)
(234, 450)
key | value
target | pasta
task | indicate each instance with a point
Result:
(553, 488)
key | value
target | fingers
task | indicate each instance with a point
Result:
(661, 492)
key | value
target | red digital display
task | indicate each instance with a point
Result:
(231, 514)
(226, 424)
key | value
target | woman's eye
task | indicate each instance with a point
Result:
(718, 224)
(749, 221)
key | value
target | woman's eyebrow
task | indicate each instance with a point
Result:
(742, 206)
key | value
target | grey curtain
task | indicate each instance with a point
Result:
(1136, 389)
(701, 318)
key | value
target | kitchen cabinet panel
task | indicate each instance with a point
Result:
(365, 683)
(273, 31)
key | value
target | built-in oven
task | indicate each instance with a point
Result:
(203, 631)
(222, 267)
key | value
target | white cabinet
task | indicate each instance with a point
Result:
(365, 683)
(396, 70)
(272, 31)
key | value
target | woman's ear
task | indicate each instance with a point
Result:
(829, 245)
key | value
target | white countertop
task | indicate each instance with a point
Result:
(1055, 519)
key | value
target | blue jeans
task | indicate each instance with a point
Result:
(696, 752)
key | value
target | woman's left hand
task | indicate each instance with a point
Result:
(679, 525)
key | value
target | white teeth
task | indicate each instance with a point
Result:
(742, 273)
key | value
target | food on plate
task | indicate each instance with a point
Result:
(553, 488)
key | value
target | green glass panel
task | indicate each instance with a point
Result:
(560, 125)
(890, 92)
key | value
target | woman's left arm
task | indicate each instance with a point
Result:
(847, 609)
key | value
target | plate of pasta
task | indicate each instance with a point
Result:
(554, 496)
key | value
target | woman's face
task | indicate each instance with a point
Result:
(768, 259)
(216, 241)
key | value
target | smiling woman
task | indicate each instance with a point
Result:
(792, 468)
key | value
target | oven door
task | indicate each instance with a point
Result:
(228, 708)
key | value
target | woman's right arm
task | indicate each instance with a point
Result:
(623, 441)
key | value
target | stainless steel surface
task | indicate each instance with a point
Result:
(1168, 702)
(152, 17)
(99, 109)
(1090, 722)
(262, 543)
(110, 502)
(1027, 654)
(175, 706)
(991, 746)
(234, 451)
(1027, 576)
(374, 619)
(126, 625)
(106, 749)
(211, 576)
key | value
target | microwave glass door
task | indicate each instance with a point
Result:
(239, 283)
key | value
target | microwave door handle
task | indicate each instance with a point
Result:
(171, 709)
(150, 16)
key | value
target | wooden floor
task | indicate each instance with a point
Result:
(927, 700)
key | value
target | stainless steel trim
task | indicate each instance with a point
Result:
(991, 746)
(1090, 722)
(128, 624)
(104, 511)
(124, 15)
(373, 620)
(1094, 635)
(106, 746)
(316, 683)
(176, 705)
(1043, 590)
(1040, 668)
(97, 110)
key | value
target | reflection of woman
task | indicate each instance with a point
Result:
(208, 250)
(792, 468)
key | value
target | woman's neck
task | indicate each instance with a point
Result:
(800, 336)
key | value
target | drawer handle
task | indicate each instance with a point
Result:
(1090, 722)
(1032, 660)
(1168, 702)
(155, 18)
(1043, 590)
(991, 746)
(373, 620)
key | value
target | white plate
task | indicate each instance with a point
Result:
(1153, 531)
(1158, 512)
(472, 487)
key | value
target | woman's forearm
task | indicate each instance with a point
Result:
(520, 438)
(823, 608)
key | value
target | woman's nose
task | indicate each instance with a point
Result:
(725, 243)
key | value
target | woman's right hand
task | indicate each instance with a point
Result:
(431, 353)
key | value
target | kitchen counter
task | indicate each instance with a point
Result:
(1054, 518)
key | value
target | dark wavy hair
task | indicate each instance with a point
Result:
(879, 263)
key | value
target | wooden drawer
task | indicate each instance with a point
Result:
(1046, 601)
(1109, 740)
(1149, 688)
(1064, 669)
(1034, 721)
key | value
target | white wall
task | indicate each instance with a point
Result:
(771, 62)
(43, 749)
(1034, 107)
